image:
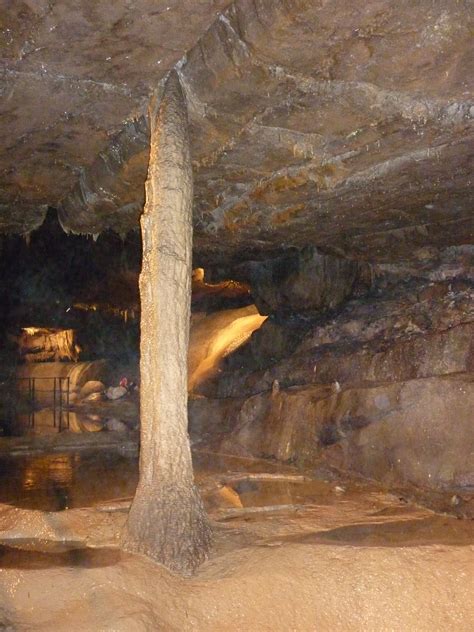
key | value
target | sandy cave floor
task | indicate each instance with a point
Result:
(290, 553)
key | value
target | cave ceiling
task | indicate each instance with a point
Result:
(345, 125)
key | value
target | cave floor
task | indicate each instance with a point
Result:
(291, 552)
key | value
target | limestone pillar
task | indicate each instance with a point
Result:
(167, 520)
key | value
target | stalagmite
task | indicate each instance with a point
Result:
(167, 520)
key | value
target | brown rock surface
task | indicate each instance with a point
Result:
(73, 75)
(311, 123)
(382, 386)
(410, 433)
(365, 561)
(306, 281)
(403, 331)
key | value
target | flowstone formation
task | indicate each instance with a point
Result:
(381, 384)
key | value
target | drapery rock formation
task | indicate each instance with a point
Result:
(48, 345)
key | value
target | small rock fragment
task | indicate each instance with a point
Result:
(115, 392)
(115, 425)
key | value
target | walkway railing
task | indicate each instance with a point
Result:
(33, 386)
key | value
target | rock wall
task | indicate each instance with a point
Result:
(401, 432)
(417, 328)
(306, 280)
(382, 385)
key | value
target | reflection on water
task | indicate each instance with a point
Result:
(47, 421)
(58, 470)
(54, 482)
(263, 493)
(234, 487)
(404, 532)
(59, 481)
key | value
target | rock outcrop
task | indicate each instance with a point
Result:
(405, 330)
(382, 385)
(306, 280)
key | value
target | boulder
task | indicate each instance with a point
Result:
(94, 397)
(115, 425)
(115, 392)
(92, 386)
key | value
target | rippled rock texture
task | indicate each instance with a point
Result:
(345, 126)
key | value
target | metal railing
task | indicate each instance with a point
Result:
(60, 398)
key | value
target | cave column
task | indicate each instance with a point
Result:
(167, 520)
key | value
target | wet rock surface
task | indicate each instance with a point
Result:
(400, 433)
(332, 161)
(381, 385)
(291, 551)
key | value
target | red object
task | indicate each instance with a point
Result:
(124, 382)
